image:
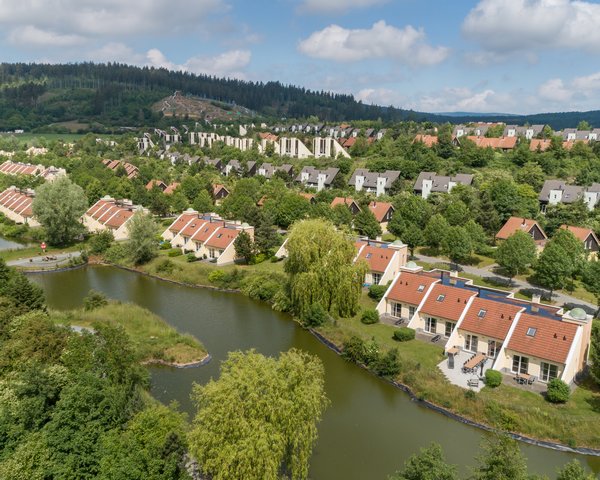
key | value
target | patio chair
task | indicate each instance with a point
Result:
(532, 379)
(436, 338)
(473, 382)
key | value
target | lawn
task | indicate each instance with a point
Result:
(35, 251)
(154, 339)
(35, 138)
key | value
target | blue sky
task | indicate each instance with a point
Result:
(514, 56)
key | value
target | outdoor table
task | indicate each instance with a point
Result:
(523, 378)
(475, 361)
(453, 351)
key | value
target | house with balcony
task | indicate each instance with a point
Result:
(430, 182)
(378, 183)
(267, 170)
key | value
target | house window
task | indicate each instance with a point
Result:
(520, 364)
(441, 297)
(376, 278)
(549, 371)
(212, 253)
(471, 342)
(449, 328)
(198, 246)
(493, 348)
(531, 332)
(421, 288)
(481, 313)
(411, 311)
(430, 325)
(397, 310)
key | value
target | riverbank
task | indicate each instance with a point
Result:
(155, 341)
(506, 408)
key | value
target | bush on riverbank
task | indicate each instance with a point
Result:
(558, 391)
(493, 378)
(315, 316)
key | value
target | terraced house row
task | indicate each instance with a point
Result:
(108, 214)
(15, 204)
(207, 236)
(519, 338)
(18, 168)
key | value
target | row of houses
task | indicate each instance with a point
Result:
(108, 214)
(131, 171)
(35, 170)
(337, 131)
(16, 203)
(558, 191)
(516, 337)
(509, 131)
(207, 236)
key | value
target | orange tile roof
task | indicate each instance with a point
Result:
(119, 218)
(378, 258)
(505, 143)
(193, 227)
(156, 183)
(223, 237)
(451, 306)
(579, 232)
(552, 340)
(182, 221)
(407, 288)
(428, 140)
(343, 201)
(540, 144)
(308, 196)
(202, 234)
(171, 188)
(496, 320)
(217, 187)
(513, 224)
(380, 209)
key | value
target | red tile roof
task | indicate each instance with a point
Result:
(344, 201)
(513, 224)
(552, 340)
(182, 221)
(505, 143)
(171, 188)
(156, 183)
(428, 140)
(378, 258)
(223, 237)
(193, 227)
(540, 144)
(410, 288)
(380, 209)
(580, 232)
(451, 306)
(202, 234)
(494, 323)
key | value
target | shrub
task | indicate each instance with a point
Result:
(404, 334)
(261, 287)
(369, 316)
(190, 257)
(175, 253)
(165, 245)
(116, 253)
(100, 242)
(493, 378)
(558, 391)
(165, 266)
(377, 291)
(387, 365)
(94, 300)
(216, 276)
(315, 315)
(354, 349)
(256, 259)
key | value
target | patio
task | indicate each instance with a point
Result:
(458, 377)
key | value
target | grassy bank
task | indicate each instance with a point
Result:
(506, 407)
(155, 341)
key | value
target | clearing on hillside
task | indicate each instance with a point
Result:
(199, 108)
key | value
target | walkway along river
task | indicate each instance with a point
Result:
(371, 427)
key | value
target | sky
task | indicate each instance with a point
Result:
(500, 56)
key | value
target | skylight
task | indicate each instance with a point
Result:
(531, 332)
(369, 255)
(482, 313)
(441, 297)
(421, 288)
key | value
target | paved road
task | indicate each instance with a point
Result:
(39, 262)
(488, 273)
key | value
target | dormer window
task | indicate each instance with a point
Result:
(441, 297)
(420, 288)
(481, 313)
(369, 255)
(531, 332)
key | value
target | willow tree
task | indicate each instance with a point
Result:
(322, 269)
(260, 417)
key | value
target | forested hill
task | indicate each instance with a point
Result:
(34, 95)
(38, 95)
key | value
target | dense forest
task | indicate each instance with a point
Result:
(111, 95)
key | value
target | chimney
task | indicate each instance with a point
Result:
(523, 223)
(535, 303)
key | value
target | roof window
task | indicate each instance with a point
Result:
(420, 288)
(481, 313)
(531, 331)
(441, 297)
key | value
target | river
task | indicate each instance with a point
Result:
(369, 430)
(6, 244)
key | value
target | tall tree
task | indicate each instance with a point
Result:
(456, 245)
(366, 224)
(260, 417)
(435, 231)
(429, 464)
(574, 471)
(501, 460)
(553, 267)
(516, 253)
(142, 238)
(321, 268)
(58, 206)
(244, 247)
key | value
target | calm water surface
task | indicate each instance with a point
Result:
(6, 244)
(369, 430)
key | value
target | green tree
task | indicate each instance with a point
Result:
(203, 202)
(341, 215)
(142, 244)
(574, 471)
(260, 417)
(595, 353)
(58, 206)
(435, 231)
(265, 234)
(244, 247)
(456, 213)
(366, 224)
(516, 253)
(456, 245)
(429, 464)
(412, 208)
(501, 460)
(413, 237)
(584, 125)
(287, 209)
(553, 267)
(591, 279)
(322, 270)
(531, 174)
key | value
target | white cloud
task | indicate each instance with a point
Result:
(102, 18)
(31, 36)
(554, 90)
(588, 83)
(522, 25)
(336, 6)
(406, 45)
(464, 99)
(380, 96)
(227, 64)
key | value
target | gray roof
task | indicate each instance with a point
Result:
(371, 177)
(571, 193)
(313, 173)
(441, 182)
(270, 169)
